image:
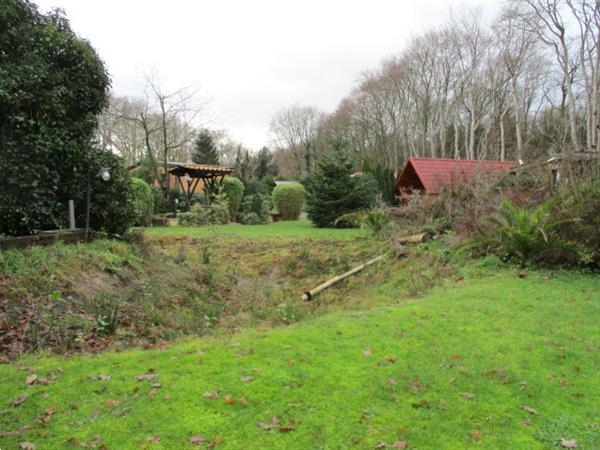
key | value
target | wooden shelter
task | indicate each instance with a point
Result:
(188, 177)
(192, 174)
(432, 175)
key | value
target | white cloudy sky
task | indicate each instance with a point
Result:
(252, 57)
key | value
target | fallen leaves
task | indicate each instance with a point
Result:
(476, 435)
(147, 377)
(18, 400)
(101, 377)
(196, 440)
(229, 399)
(529, 409)
(31, 379)
(212, 395)
(153, 439)
(246, 379)
(275, 425)
(27, 446)
(367, 352)
(243, 401)
(387, 361)
(45, 418)
(568, 443)
(400, 444)
(527, 422)
(468, 395)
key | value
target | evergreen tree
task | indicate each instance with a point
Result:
(264, 164)
(205, 149)
(333, 192)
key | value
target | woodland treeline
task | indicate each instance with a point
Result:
(522, 87)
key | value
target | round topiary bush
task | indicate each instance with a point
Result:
(288, 199)
(234, 191)
(143, 202)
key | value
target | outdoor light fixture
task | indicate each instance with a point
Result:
(104, 175)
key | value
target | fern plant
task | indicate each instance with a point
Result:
(526, 236)
(374, 220)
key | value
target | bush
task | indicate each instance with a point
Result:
(332, 192)
(385, 179)
(217, 213)
(233, 188)
(143, 202)
(256, 204)
(527, 236)
(112, 207)
(374, 220)
(160, 205)
(251, 218)
(288, 199)
(53, 85)
(580, 214)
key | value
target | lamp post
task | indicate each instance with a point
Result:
(104, 174)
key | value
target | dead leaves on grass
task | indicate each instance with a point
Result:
(196, 440)
(147, 377)
(45, 418)
(211, 395)
(18, 400)
(396, 444)
(529, 409)
(276, 425)
(568, 443)
(101, 377)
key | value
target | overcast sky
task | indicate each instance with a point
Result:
(252, 58)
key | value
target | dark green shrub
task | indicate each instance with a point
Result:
(257, 204)
(289, 200)
(233, 188)
(112, 207)
(332, 191)
(160, 206)
(385, 179)
(53, 85)
(143, 202)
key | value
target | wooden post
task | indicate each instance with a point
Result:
(71, 215)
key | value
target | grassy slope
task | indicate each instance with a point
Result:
(509, 341)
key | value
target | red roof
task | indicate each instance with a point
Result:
(432, 175)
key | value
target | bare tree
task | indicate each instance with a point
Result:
(296, 129)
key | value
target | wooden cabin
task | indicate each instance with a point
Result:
(433, 175)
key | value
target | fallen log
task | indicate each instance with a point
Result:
(413, 239)
(308, 295)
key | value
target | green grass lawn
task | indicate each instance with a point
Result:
(492, 361)
(278, 230)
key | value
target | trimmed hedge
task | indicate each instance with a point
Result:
(288, 199)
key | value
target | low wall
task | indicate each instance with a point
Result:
(44, 238)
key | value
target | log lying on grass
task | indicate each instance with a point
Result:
(414, 238)
(308, 295)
